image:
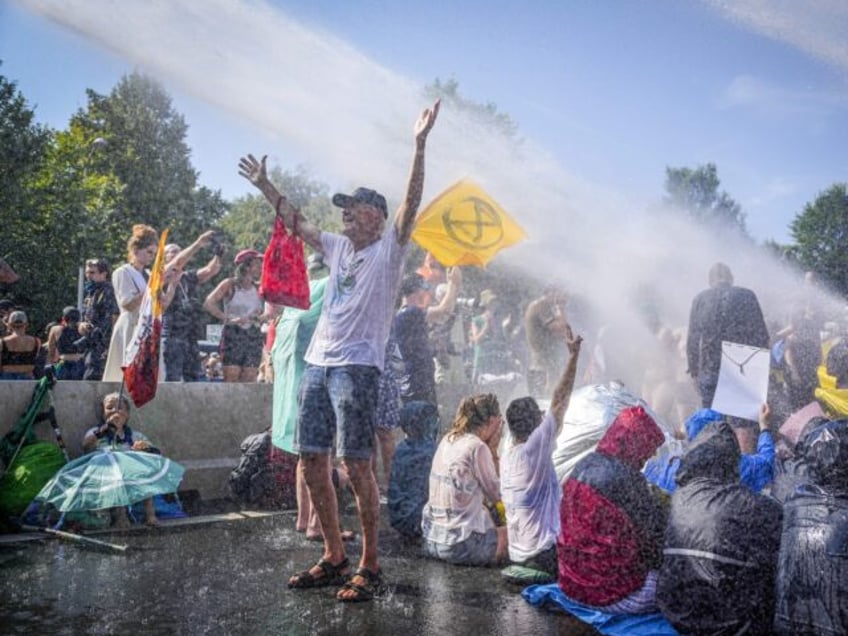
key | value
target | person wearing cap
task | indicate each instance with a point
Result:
(339, 387)
(180, 321)
(63, 345)
(18, 351)
(236, 303)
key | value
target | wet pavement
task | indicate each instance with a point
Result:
(227, 576)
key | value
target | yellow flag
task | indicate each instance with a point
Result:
(465, 226)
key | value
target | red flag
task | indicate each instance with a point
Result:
(141, 373)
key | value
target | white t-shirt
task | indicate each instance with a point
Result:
(462, 477)
(531, 493)
(359, 302)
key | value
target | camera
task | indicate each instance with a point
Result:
(217, 245)
(467, 303)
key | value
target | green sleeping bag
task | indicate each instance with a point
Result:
(34, 466)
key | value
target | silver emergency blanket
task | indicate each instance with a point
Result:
(590, 413)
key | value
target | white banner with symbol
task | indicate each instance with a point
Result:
(742, 381)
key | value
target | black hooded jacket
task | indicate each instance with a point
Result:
(812, 585)
(721, 544)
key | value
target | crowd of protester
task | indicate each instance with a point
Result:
(739, 528)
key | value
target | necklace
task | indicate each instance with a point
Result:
(742, 364)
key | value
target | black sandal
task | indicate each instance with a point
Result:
(330, 575)
(374, 586)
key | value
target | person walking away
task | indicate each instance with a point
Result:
(339, 387)
(721, 313)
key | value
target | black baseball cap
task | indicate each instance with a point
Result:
(362, 195)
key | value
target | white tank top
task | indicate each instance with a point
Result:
(245, 303)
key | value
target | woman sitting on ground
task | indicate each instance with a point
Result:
(116, 434)
(457, 523)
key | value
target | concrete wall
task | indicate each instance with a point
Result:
(201, 425)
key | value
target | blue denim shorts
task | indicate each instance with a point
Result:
(337, 408)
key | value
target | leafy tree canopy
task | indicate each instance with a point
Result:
(821, 236)
(695, 192)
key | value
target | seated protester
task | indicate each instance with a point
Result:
(116, 434)
(721, 544)
(457, 523)
(812, 570)
(756, 470)
(529, 484)
(791, 470)
(413, 458)
(612, 524)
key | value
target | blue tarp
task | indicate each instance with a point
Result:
(551, 597)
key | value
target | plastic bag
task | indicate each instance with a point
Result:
(284, 280)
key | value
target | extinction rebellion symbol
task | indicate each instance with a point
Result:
(479, 230)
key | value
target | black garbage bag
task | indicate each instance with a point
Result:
(812, 580)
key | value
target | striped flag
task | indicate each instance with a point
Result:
(141, 373)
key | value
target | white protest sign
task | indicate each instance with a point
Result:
(742, 381)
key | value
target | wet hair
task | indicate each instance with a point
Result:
(837, 363)
(142, 236)
(720, 273)
(473, 414)
(523, 415)
(100, 264)
(123, 399)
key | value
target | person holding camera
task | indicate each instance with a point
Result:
(181, 320)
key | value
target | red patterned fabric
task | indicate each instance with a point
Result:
(284, 279)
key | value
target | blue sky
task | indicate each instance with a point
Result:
(615, 91)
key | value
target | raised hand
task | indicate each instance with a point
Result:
(253, 170)
(572, 341)
(426, 120)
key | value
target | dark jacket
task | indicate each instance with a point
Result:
(721, 544)
(812, 582)
(611, 522)
(722, 313)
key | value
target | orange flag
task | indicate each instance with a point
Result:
(141, 373)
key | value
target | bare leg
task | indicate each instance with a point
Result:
(150, 513)
(386, 441)
(323, 495)
(368, 503)
(304, 503)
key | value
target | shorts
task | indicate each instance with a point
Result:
(241, 347)
(337, 406)
(476, 549)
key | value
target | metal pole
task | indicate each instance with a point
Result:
(80, 287)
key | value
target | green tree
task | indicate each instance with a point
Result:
(147, 151)
(249, 222)
(696, 193)
(486, 114)
(821, 236)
